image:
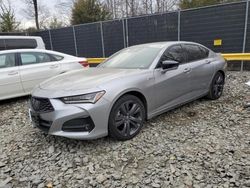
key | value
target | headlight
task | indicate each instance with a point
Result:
(86, 98)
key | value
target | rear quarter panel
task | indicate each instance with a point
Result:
(69, 64)
(220, 64)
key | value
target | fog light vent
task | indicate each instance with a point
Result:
(79, 125)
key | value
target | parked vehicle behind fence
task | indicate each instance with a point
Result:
(21, 42)
(134, 85)
(21, 70)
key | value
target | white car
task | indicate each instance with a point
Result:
(21, 70)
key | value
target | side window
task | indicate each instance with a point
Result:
(34, 58)
(2, 44)
(43, 57)
(57, 57)
(174, 53)
(195, 52)
(7, 60)
(204, 52)
(20, 43)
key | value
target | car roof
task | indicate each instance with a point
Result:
(39, 50)
(18, 37)
(32, 50)
(165, 44)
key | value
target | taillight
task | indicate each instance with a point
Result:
(84, 63)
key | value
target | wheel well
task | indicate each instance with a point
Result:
(223, 73)
(141, 97)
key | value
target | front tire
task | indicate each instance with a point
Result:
(217, 86)
(126, 118)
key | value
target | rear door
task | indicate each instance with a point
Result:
(10, 83)
(35, 68)
(202, 68)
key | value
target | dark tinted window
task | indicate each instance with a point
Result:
(174, 53)
(195, 52)
(34, 58)
(7, 60)
(2, 44)
(20, 43)
(204, 52)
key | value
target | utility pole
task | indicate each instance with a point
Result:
(126, 8)
(36, 14)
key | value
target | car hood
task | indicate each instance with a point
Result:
(84, 79)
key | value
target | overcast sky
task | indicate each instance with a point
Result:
(19, 7)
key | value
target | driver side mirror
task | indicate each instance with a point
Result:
(169, 65)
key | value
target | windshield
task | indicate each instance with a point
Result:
(136, 57)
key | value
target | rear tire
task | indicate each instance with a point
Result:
(126, 118)
(217, 86)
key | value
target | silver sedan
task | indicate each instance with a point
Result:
(134, 85)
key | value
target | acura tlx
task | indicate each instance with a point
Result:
(130, 87)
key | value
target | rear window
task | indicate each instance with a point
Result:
(7, 60)
(20, 43)
(57, 57)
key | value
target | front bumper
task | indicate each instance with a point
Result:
(54, 122)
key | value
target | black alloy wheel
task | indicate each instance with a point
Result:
(217, 86)
(126, 118)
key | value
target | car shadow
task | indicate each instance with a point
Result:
(109, 142)
(14, 100)
(184, 106)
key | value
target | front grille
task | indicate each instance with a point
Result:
(41, 105)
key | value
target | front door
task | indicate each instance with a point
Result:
(172, 87)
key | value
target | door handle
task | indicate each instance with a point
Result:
(53, 66)
(13, 73)
(187, 70)
(208, 61)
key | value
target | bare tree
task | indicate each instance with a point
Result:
(35, 9)
(64, 9)
(36, 13)
(132, 5)
(32, 11)
(146, 7)
(127, 8)
(65, 5)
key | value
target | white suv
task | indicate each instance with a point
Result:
(21, 42)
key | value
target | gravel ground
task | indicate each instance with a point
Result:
(202, 144)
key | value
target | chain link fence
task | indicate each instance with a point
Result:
(228, 23)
